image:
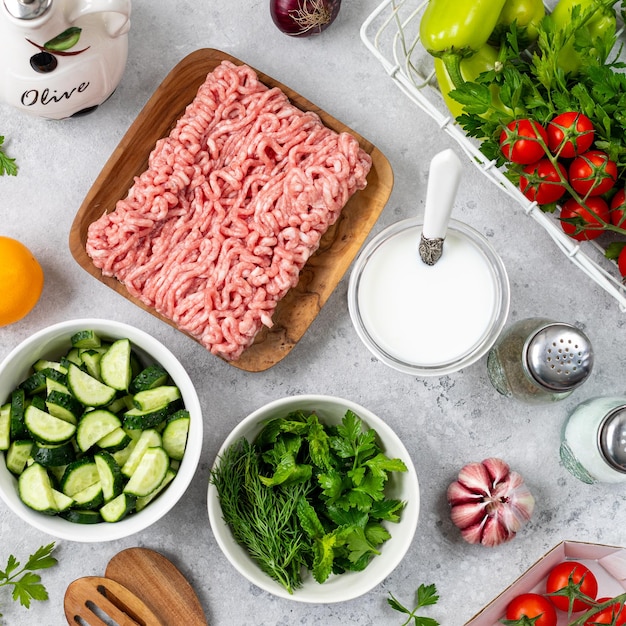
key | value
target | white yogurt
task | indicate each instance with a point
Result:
(426, 315)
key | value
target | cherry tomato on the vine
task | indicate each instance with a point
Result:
(570, 574)
(587, 221)
(523, 141)
(542, 182)
(618, 209)
(592, 173)
(570, 134)
(532, 605)
(614, 614)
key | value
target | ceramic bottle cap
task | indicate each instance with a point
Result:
(559, 357)
(612, 438)
(27, 9)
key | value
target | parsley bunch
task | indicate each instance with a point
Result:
(426, 595)
(26, 584)
(305, 495)
(7, 165)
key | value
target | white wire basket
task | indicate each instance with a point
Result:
(391, 33)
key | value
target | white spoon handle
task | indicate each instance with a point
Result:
(443, 183)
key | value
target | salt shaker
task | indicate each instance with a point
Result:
(538, 360)
(593, 440)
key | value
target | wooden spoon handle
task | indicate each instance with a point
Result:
(89, 597)
(160, 584)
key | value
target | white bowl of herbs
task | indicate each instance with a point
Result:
(100, 430)
(313, 498)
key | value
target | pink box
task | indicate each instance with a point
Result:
(608, 563)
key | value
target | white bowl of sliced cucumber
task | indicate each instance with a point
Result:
(321, 491)
(100, 430)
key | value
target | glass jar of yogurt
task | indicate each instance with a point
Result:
(593, 440)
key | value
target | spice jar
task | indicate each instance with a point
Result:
(593, 441)
(538, 360)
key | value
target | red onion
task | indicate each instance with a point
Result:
(303, 18)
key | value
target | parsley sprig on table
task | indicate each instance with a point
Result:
(26, 584)
(426, 595)
(305, 495)
(7, 165)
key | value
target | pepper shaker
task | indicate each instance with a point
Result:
(593, 441)
(538, 360)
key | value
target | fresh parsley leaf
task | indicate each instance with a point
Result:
(26, 585)
(426, 595)
(7, 165)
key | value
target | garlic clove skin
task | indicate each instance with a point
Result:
(489, 502)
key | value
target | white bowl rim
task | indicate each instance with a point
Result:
(101, 532)
(322, 593)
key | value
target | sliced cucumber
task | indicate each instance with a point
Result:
(73, 356)
(89, 498)
(145, 500)
(113, 442)
(121, 456)
(94, 426)
(18, 454)
(121, 404)
(111, 477)
(152, 376)
(53, 455)
(175, 434)
(85, 339)
(64, 406)
(91, 359)
(35, 489)
(151, 399)
(118, 508)
(43, 364)
(115, 366)
(149, 439)
(88, 390)
(47, 428)
(79, 475)
(5, 426)
(63, 502)
(59, 376)
(81, 516)
(135, 419)
(55, 385)
(34, 384)
(149, 474)
(18, 406)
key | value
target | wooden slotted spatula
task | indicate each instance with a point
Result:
(158, 582)
(90, 599)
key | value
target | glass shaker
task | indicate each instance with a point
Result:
(593, 441)
(538, 360)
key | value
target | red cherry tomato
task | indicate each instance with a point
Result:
(532, 605)
(586, 221)
(592, 173)
(614, 615)
(570, 134)
(618, 206)
(520, 141)
(570, 574)
(542, 182)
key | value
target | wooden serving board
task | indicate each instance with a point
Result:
(323, 271)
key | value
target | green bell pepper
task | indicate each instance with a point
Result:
(597, 17)
(527, 14)
(455, 29)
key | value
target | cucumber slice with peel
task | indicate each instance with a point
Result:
(118, 508)
(115, 365)
(47, 428)
(175, 434)
(152, 399)
(5, 426)
(35, 489)
(111, 477)
(79, 475)
(148, 439)
(85, 339)
(94, 426)
(88, 390)
(149, 474)
(18, 454)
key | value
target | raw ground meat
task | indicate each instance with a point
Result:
(233, 203)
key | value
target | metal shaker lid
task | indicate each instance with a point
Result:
(612, 438)
(27, 9)
(559, 357)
